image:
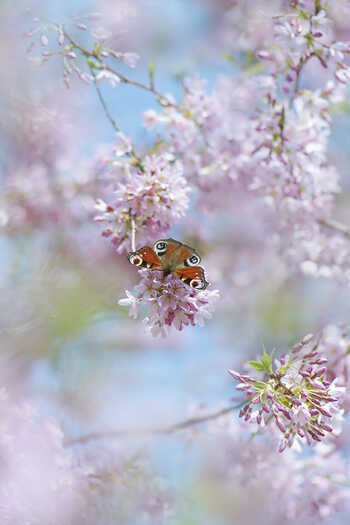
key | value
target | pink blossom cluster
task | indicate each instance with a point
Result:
(125, 482)
(43, 480)
(277, 147)
(334, 344)
(169, 303)
(242, 29)
(154, 194)
(40, 481)
(44, 184)
(95, 66)
(210, 133)
(301, 35)
(294, 394)
(302, 488)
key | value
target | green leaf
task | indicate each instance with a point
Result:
(303, 14)
(231, 58)
(250, 56)
(254, 68)
(310, 39)
(266, 360)
(98, 48)
(152, 68)
(256, 365)
(91, 63)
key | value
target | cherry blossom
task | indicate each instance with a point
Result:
(169, 303)
(156, 197)
(295, 395)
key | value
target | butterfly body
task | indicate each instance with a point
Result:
(172, 257)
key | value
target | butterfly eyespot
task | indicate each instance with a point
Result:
(193, 260)
(160, 247)
(197, 283)
(136, 259)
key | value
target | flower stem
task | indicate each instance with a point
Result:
(133, 232)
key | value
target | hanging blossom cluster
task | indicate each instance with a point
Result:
(154, 194)
(151, 198)
(294, 394)
(48, 40)
(169, 303)
(40, 482)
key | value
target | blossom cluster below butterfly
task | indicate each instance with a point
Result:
(172, 257)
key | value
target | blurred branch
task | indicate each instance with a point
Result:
(335, 225)
(152, 431)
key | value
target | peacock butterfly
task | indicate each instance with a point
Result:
(171, 256)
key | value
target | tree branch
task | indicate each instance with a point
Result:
(126, 80)
(153, 431)
(335, 225)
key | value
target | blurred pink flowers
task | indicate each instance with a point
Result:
(40, 481)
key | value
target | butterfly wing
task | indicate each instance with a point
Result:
(194, 276)
(174, 253)
(182, 261)
(146, 257)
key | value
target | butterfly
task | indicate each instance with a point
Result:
(172, 257)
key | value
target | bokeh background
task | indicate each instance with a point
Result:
(66, 345)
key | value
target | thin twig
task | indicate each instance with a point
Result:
(126, 80)
(132, 154)
(163, 100)
(103, 103)
(153, 431)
